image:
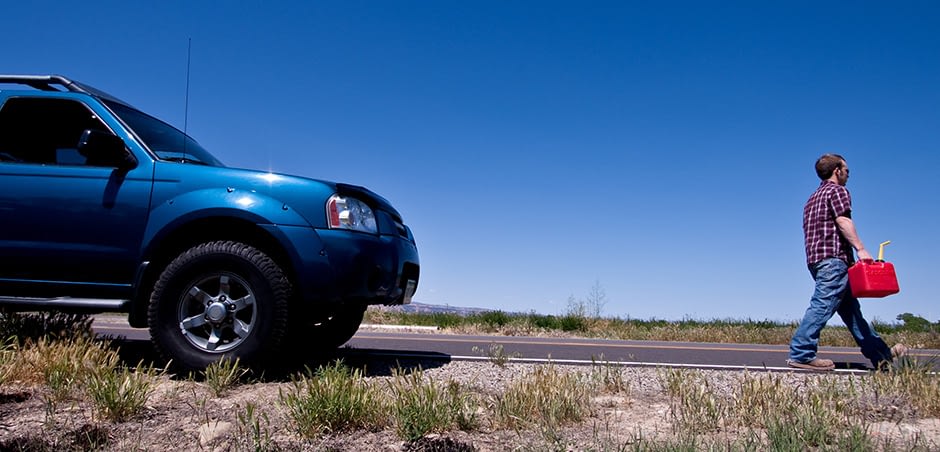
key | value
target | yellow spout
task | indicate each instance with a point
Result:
(881, 250)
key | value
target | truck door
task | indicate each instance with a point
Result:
(65, 218)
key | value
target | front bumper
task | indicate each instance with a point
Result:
(372, 269)
(338, 266)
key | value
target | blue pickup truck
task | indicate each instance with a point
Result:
(104, 208)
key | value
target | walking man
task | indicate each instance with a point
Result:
(830, 238)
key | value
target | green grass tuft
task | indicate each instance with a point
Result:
(422, 406)
(334, 398)
(223, 375)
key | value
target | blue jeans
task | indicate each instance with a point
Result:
(832, 295)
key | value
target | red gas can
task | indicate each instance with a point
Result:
(873, 279)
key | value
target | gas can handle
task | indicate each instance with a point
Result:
(881, 251)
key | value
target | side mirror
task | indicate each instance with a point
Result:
(105, 149)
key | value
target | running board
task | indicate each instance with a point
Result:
(88, 305)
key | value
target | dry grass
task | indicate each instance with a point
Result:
(816, 412)
(913, 382)
(705, 410)
(79, 369)
(51, 361)
(542, 406)
(546, 397)
(421, 406)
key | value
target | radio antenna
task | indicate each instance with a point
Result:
(189, 53)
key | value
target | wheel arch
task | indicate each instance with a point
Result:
(172, 243)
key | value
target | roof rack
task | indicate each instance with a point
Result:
(50, 83)
(43, 82)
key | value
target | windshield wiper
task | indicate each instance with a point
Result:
(185, 160)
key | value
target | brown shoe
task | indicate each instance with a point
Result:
(899, 350)
(816, 364)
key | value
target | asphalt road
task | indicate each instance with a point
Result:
(445, 347)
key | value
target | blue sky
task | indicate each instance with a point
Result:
(662, 150)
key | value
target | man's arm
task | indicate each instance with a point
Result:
(847, 228)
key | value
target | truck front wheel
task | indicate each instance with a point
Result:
(219, 300)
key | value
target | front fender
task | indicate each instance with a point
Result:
(246, 205)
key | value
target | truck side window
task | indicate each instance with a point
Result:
(45, 131)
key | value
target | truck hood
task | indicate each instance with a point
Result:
(306, 195)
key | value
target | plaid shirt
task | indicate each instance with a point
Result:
(823, 240)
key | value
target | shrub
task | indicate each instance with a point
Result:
(224, 374)
(546, 397)
(494, 319)
(572, 322)
(332, 399)
(496, 354)
(421, 406)
(547, 322)
(119, 394)
(694, 405)
(253, 430)
(608, 377)
(8, 349)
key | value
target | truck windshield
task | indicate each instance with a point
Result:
(166, 141)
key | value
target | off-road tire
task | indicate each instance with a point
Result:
(234, 264)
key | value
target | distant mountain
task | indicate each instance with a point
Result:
(424, 308)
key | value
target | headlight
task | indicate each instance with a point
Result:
(350, 213)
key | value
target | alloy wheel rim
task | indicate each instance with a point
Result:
(217, 312)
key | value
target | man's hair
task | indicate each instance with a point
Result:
(827, 164)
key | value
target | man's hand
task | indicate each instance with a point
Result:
(864, 254)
